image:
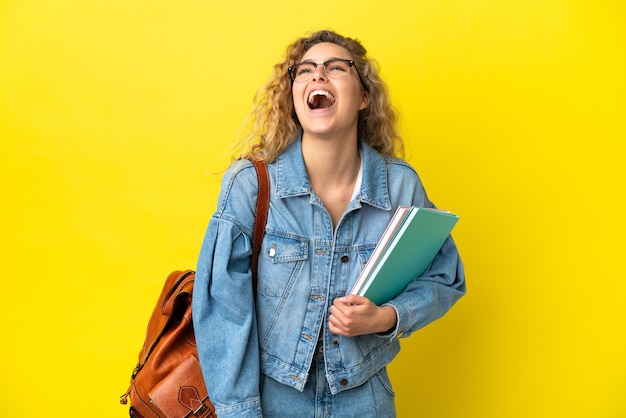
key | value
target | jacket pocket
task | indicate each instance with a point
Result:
(281, 260)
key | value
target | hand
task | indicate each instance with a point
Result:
(354, 315)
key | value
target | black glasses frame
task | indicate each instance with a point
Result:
(292, 70)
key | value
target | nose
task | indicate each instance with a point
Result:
(320, 73)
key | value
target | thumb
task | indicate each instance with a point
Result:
(352, 300)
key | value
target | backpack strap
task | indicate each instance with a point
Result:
(260, 219)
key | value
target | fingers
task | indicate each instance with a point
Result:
(336, 326)
(345, 319)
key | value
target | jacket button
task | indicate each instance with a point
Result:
(344, 382)
(335, 341)
(344, 259)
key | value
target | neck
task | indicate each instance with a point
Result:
(331, 163)
(333, 168)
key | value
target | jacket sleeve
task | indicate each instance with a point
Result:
(429, 297)
(223, 310)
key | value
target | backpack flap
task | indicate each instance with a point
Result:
(182, 394)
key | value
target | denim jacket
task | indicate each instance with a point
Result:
(304, 264)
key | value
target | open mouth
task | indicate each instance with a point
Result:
(321, 99)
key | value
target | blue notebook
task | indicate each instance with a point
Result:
(406, 249)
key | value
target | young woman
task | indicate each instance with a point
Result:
(303, 347)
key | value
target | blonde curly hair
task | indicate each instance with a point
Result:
(272, 125)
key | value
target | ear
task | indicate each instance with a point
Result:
(364, 100)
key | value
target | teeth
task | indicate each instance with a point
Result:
(320, 93)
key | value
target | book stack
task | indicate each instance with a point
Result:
(406, 249)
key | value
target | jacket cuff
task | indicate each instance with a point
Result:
(393, 332)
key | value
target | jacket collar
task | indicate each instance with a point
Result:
(293, 180)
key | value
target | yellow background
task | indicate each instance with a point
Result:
(115, 115)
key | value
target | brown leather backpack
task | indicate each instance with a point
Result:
(167, 382)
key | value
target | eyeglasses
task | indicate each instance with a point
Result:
(334, 68)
